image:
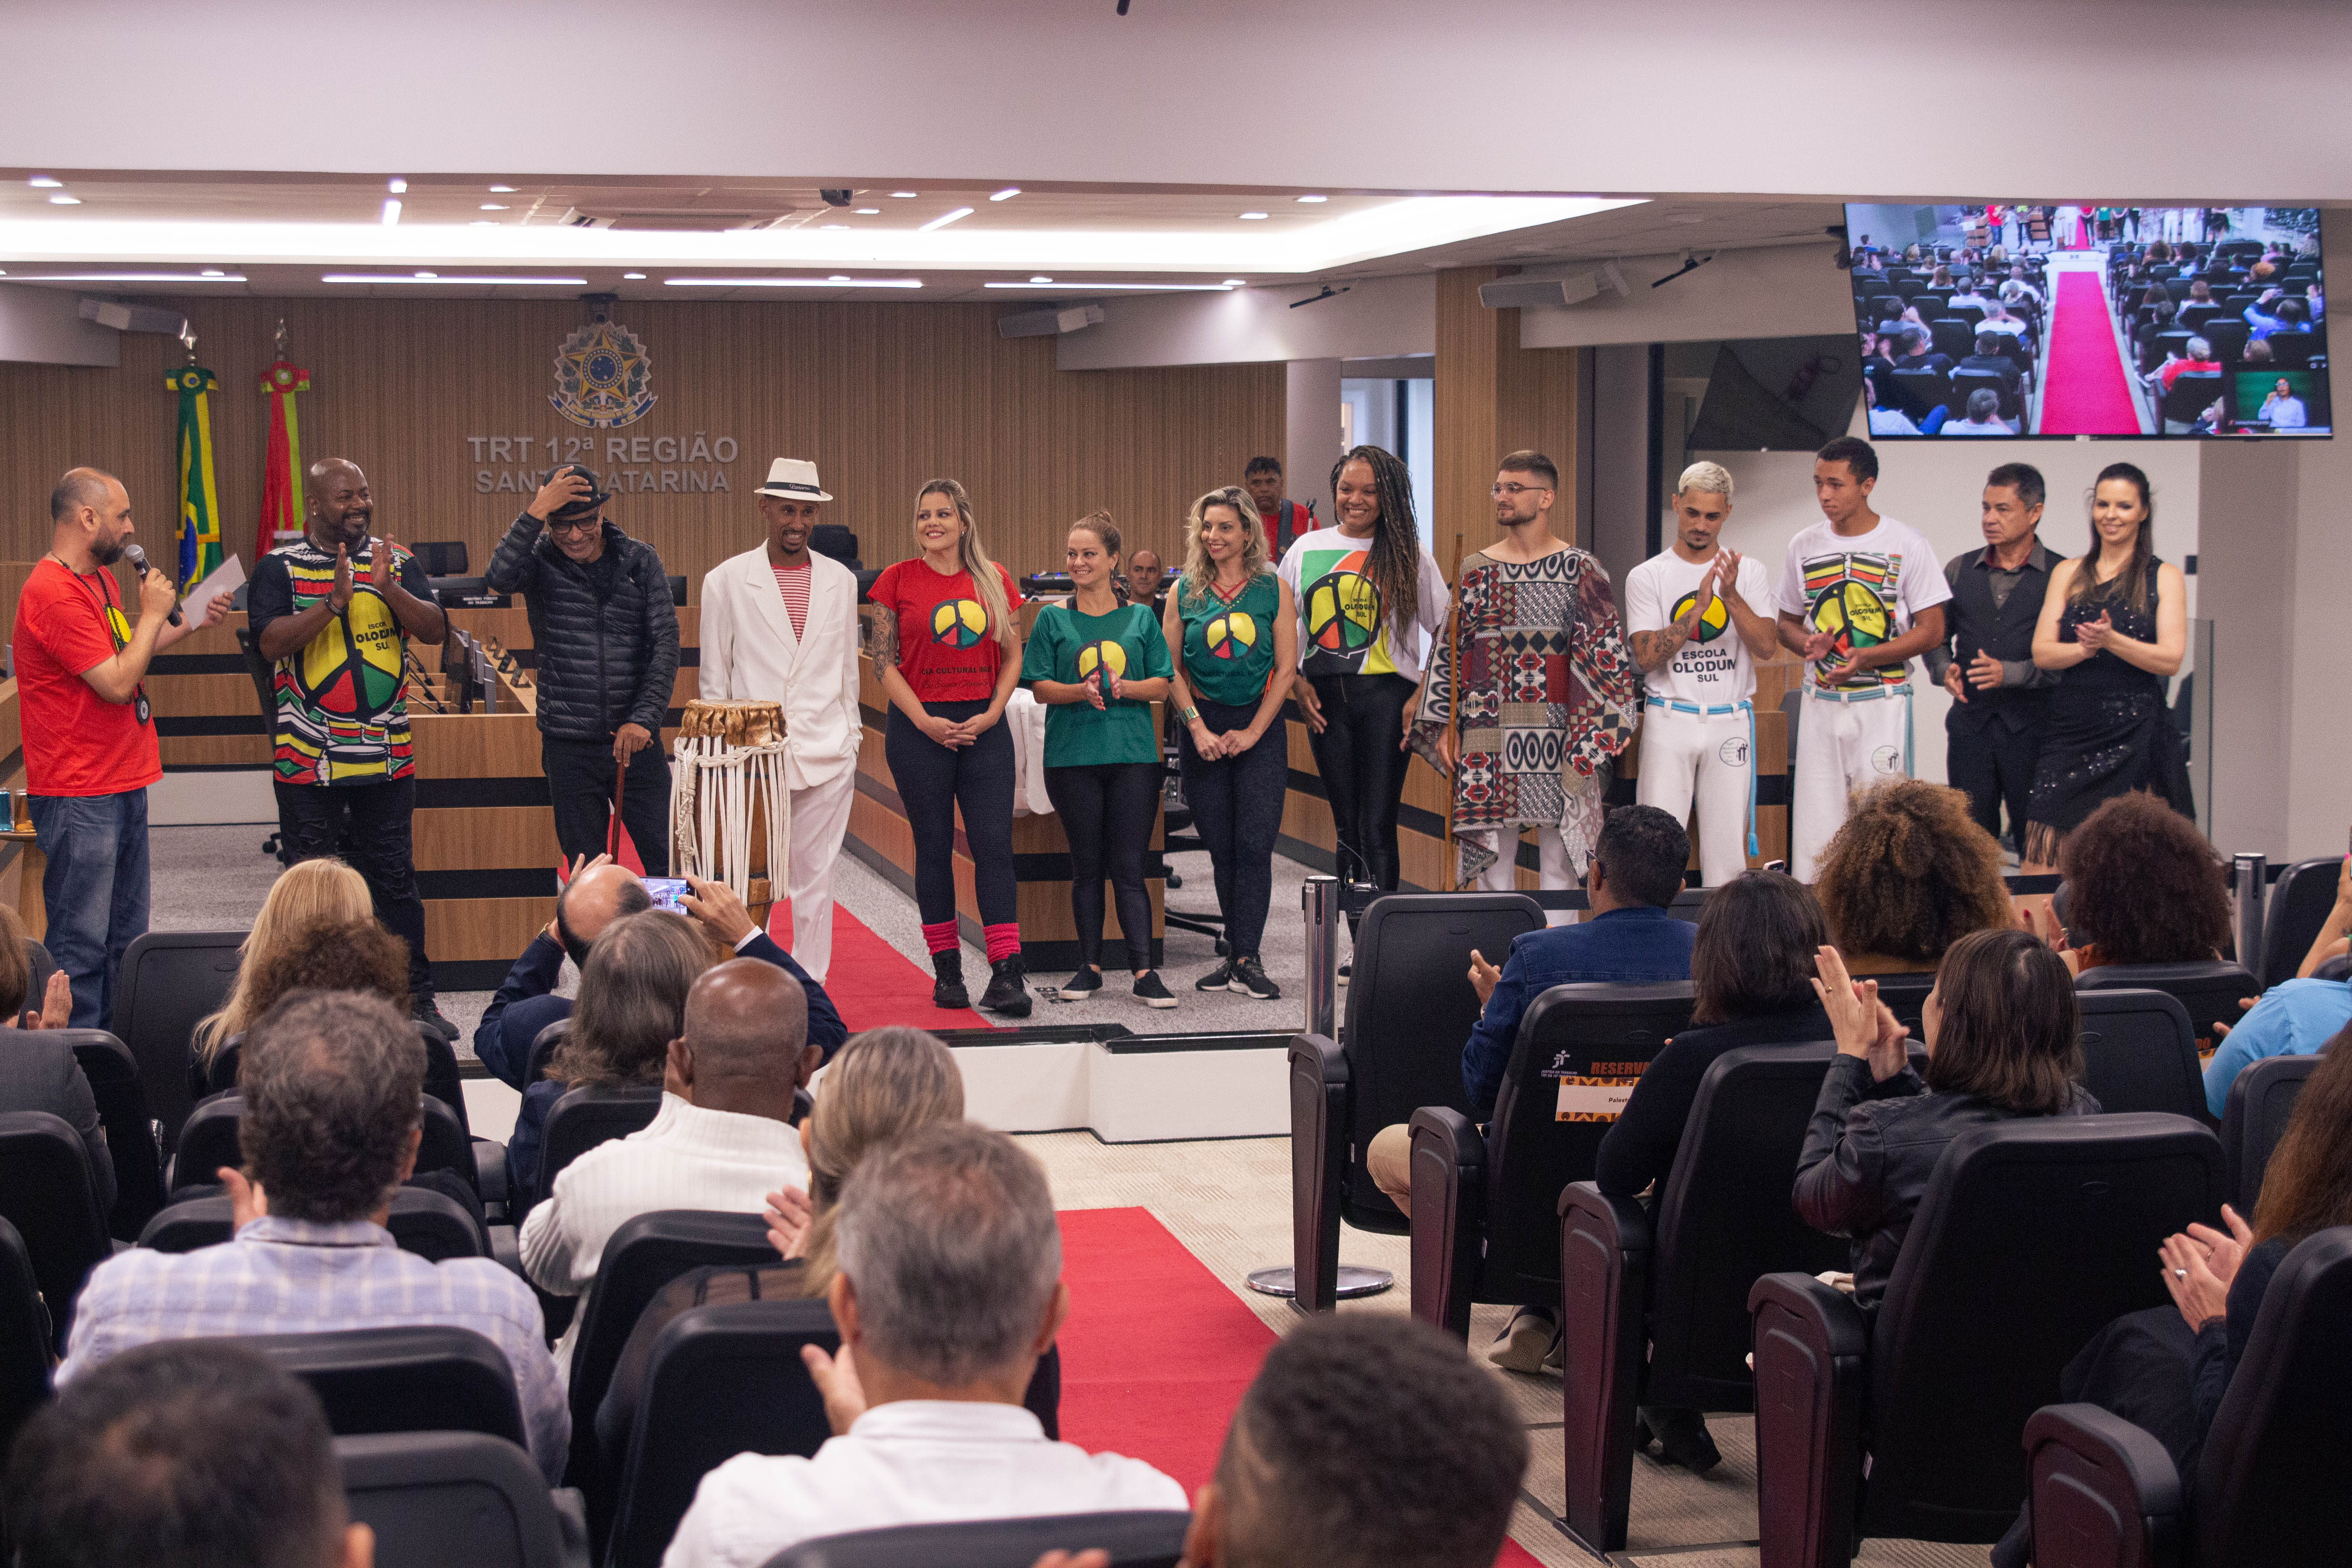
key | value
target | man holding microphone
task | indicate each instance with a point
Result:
(606, 632)
(90, 737)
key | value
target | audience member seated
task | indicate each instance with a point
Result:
(885, 1084)
(1909, 874)
(335, 953)
(1885, 421)
(597, 893)
(2001, 1028)
(1636, 870)
(306, 894)
(1990, 358)
(1984, 417)
(1752, 966)
(2200, 358)
(2142, 887)
(1365, 1441)
(334, 1091)
(1966, 297)
(2297, 1017)
(2257, 351)
(37, 1069)
(182, 1456)
(2165, 1369)
(1997, 319)
(723, 1138)
(1914, 352)
(2285, 314)
(2017, 291)
(948, 1292)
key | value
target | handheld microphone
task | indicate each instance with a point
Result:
(138, 559)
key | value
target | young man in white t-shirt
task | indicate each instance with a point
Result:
(1861, 595)
(1691, 629)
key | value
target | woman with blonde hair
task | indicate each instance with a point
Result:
(947, 649)
(1234, 624)
(308, 894)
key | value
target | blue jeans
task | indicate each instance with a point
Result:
(96, 891)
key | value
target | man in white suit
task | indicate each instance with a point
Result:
(779, 625)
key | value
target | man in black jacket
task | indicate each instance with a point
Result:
(607, 642)
(1986, 661)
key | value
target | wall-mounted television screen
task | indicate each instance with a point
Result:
(2005, 319)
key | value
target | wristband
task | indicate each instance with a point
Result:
(1190, 715)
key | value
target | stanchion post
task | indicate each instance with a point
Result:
(2252, 875)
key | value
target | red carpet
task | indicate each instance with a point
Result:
(2086, 394)
(872, 982)
(1157, 1352)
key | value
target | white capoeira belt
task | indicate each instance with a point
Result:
(1673, 705)
(1873, 695)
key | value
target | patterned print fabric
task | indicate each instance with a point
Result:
(343, 715)
(1548, 695)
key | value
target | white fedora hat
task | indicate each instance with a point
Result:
(794, 478)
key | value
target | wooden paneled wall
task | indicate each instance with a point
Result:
(880, 396)
(1492, 397)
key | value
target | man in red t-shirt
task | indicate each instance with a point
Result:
(89, 740)
(1283, 520)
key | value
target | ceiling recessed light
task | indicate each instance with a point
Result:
(396, 185)
(832, 226)
(214, 272)
(1089, 283)
(633, 277)
(1006, 195)
(501, 190)
(838, 278)
(1233, 282)
(905, 196)
(391, 211)
(426, 275)
(868, 211)
(1253, 217)
(65, 200)
(43, 183)
(1315, 198)
(835, 281)
(483, 223)
(1041, 280)
(494, 206)
(430, 278)
(129, 277)
(946, 219)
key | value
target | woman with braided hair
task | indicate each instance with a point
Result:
(1370, 601)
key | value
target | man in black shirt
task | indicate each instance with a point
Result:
(1989, 357)
(1986, 660)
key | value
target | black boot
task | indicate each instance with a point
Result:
(947, 988)
(1007, 994)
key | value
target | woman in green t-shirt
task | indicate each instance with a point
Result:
(1238, 628)
(1099, 665)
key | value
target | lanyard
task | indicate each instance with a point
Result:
(105, 603)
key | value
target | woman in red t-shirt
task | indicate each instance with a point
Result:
(948, 651)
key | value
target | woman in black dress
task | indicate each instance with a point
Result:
(2116, 621)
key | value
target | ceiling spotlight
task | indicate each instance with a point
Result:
(43, 183)
(905, 196)
(396, 185)
(1006, 195)
(1252, 218)
(66, 201)
(501, 190)
(391, 211)
(944, 219)
(633, 277)
(868, 211)
(1315, 198)
(494, 206)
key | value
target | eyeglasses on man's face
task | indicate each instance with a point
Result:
(1515, 489)
(576, 525)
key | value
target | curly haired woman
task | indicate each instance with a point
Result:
(2143, 886)
(1908, 875)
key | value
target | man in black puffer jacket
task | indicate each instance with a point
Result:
(607, 640)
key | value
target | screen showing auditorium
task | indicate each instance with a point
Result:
(2006, 319)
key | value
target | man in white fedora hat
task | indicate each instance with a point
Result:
(779, 625)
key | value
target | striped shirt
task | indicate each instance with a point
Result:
(793, 582)
(285, 1275)
(687, 1158)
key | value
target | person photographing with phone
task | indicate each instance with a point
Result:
(335, 611)
(90, 734)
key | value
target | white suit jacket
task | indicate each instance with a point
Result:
(749, 653)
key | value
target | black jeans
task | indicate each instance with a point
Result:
(1107, 812)
(932, 781)
(1364, 770)
(1237, 808)
(311, 822)
(579, 788)
(1993, 766)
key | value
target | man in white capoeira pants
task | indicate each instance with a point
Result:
(1861, 595)
(1691, 626)
(779, 625)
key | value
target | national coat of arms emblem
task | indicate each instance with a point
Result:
(603, 377)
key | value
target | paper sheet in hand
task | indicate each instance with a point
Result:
(225, 578)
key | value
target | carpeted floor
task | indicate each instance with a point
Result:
(2084, 392)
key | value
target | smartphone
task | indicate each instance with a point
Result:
(667, 891)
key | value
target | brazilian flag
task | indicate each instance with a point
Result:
(199, 524)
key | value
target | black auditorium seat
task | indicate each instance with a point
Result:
(1923, 390)
(208, 1142)
(1965, 382)
(415, 1379)
(2254, 1118)
(584, 1118)
(1952, 336)
(2191, 392)
(1410, 1010)
(1486, 1208)
(2226, 336)
(2031, 1235)
(2290, 351)
(1143, 1539)
(25, 1337)
(2194, 317)
(2298, 908)
(2211, 990)
(431, 1224)
(2139, 1053)
(46, 1192)
(1905, 996)
(1673, 1279)
(454, 1500)
(121, 1097)
(169, 981)
(2268, 1487)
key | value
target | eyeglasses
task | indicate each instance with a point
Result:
(1515, 489)
(575, 525)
